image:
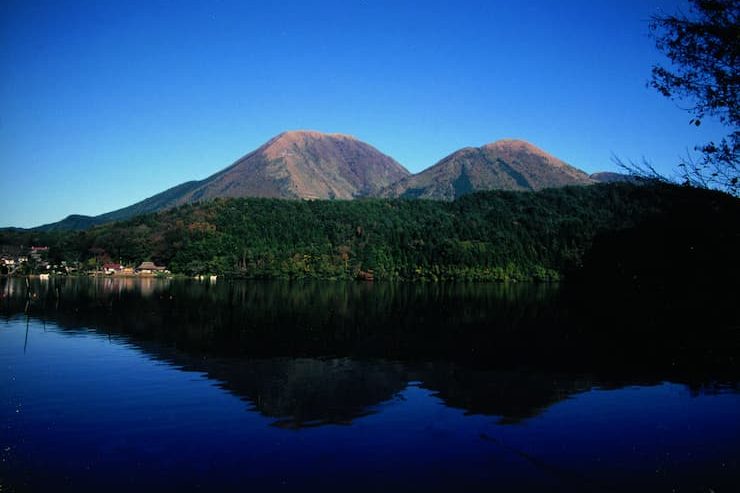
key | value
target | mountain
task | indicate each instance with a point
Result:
(612, 177)
(292, 165)
(313, 165)
(163, 200)
(506, 164)
(303, 164)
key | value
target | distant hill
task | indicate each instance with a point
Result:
(164, 200)
(292, 165)
(74, 222)
(502, 165)
(612, 177)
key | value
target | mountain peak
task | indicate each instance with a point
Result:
(510, 143)
(303, 164)
(516, 145)
(509, 164)
(281, 144)
(298, 135)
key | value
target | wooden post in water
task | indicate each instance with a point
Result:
(28, 317)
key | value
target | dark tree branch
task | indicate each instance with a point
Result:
(704, 51)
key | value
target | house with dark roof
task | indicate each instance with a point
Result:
(150, 268)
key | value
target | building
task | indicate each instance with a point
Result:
(39, 254)
(112, 268)
(150, 268)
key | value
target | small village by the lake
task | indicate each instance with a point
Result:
(35, 261)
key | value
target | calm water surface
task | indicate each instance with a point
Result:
(179, 386)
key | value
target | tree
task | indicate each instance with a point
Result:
(703, 51)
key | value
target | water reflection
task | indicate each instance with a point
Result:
(308, 354)
(305, 392)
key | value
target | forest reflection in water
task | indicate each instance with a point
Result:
(312, 353)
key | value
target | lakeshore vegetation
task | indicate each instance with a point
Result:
(485, 236)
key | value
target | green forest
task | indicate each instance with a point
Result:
(486, 236)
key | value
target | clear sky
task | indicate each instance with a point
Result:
(104, 103)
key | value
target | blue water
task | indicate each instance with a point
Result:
(82, 411)
(158, 386)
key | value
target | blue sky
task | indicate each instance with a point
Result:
(104, 103)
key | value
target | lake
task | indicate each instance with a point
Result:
(165, 385)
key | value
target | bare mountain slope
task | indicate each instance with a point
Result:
(304, 164)
(292, 165)
(506, 164)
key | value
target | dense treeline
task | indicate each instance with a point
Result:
(495, 235)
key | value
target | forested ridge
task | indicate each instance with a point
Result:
(486, 236)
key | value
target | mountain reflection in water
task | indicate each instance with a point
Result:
(166, 385)
(307, 354)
